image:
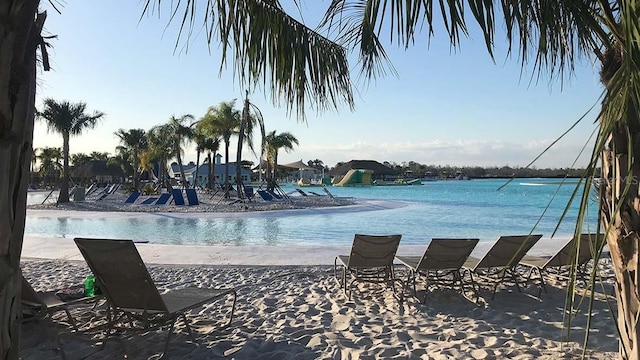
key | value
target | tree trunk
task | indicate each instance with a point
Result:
(210, 172)
(64, 185)
(136, 172)
(226, 169)
(20, 31)
(195, 175)
(623, 237)
(243, 126)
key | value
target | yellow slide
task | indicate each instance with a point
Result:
(356, 177)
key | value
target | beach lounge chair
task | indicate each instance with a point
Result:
(264, 195)
(370, 260)
(573, 252)
(328, 193)
(192, 196)
(302, 192)
(249, 193)
(274, 194)
(40, 305)
(440, 264)
(132, 198)
(178, 199)
(134, 299)
(163, 199)
(149, 200)
(499, 264)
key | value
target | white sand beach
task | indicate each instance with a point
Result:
(291, 307)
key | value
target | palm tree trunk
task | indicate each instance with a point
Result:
(226, 168)
(64, 185)
(20, 31)
(195, 175)
(179, 158)
(210, 172)
(243, 125)
(136, 172)
(624, 226)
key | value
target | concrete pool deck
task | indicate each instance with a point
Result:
(261, 255)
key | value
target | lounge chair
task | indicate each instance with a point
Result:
(370, 260)
(40, 305)
(275, 194)
(163, 199)
(440, 264)
(131, 293)
(573, 252)
(132, 198)
(178, 199)
(248, 193)
(328, 193)
(301, 192)
(192, 197)
(264, 195)
(499, 264)
(149, 200)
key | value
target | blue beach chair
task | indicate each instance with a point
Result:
(264, 195)
(163, 199)
(178, 199)
(132, 198)
(149, 201)
(192, 197)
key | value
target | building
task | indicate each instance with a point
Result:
(202, 177)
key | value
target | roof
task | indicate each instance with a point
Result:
(298, 165)
(376, 167)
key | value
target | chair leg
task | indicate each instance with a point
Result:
(186, 324)
(166, 344)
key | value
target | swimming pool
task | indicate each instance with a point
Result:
(472, 208)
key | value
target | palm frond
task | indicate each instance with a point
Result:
(270, 49)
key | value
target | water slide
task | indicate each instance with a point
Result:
(356, 177)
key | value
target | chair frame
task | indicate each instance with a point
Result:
(589, 244)
(496, 268)
(363, 266)
(438, 268)
(153, 312)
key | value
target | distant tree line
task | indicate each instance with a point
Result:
(419, 170)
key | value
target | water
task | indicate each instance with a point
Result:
(472, 208)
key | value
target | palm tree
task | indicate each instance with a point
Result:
(79, 159)
(275, 142)
(68, 120)
(136, 142)
(225, 121)
(50, 167)
(97, 155)
(160, 141)
(205, 142)
(250, 119)
(181, 135)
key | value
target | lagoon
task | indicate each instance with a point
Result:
(455, 208)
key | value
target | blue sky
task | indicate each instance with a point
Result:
(443, 108)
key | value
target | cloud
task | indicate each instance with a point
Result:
(440, 152)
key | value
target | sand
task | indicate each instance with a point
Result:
(291, 307)
(300, 312)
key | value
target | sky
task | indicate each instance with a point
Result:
(443, 108)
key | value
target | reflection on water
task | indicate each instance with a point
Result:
(437, 209)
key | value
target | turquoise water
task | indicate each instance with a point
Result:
(474, 208)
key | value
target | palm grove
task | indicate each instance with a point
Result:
(303, 67)
(140, 150)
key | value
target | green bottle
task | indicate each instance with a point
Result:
(89, 286)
